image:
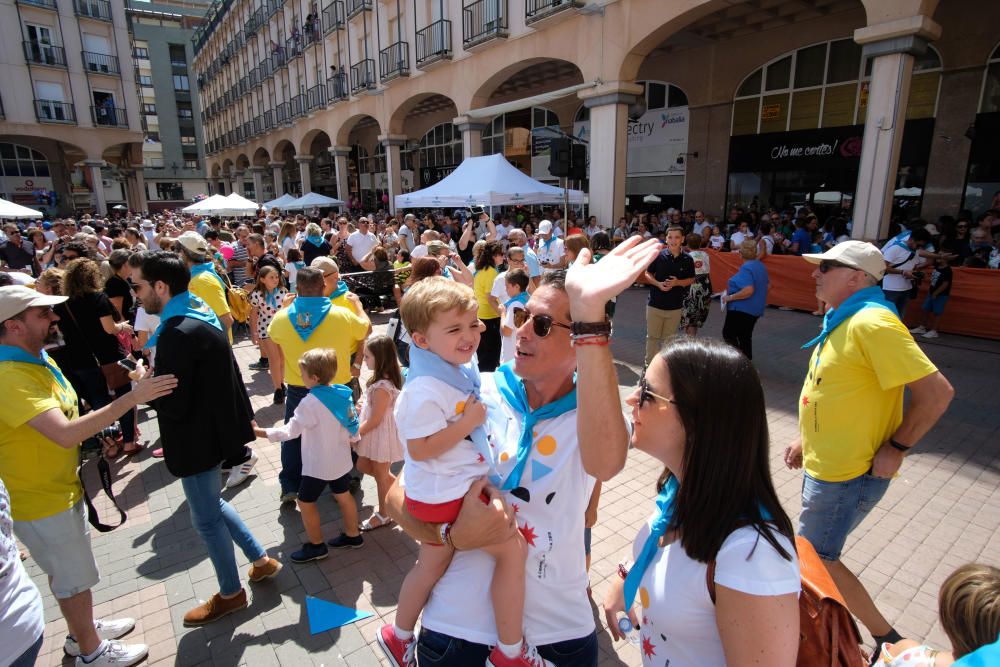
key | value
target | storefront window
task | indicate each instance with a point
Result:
(982, 181)
(991, 86)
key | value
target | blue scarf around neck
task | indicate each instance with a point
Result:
(307, 312)
(521, 298)
(208, 267)
(340, 291)
(662, 517)
(512, 389)
(315, 240)
(339, 400)
(184, 304)
(271, 297)
(464, 378)
(984, 656)
(869, 297)
(12, 353)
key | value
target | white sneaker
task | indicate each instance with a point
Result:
(919, 330)
(239, 474)
(288, 497)
(931, 334)
(117, 654)
(110, 629)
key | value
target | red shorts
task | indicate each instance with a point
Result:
(434, 512)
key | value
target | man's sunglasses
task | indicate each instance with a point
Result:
(646, 395)
(541, 324)
(827, 264)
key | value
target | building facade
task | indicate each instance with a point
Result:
(70, 130)
(704, 103)
(173, 150)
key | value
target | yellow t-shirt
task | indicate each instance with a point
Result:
(40, 474)
(482, 284)
(341, 329)
(852, 402)
(207, 288)
(344, 303)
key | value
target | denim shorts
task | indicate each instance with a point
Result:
(831, 510)
(935, 304)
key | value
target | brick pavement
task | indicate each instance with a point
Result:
(940, 513)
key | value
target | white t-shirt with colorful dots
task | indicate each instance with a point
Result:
(550, 506)
(425, 406)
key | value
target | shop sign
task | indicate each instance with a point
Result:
(655, 141)
(33, 191)
(770, 112)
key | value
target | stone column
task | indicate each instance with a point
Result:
(608, 106)
(277, 169)
(340, 155)
(238, 176)
(892, 46)
(949, 157)
(305, 161)
(258, 183)
(97, 185)
(393, 143)
(139, 204)
(472, 136)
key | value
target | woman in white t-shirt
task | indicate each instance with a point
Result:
(716, 504)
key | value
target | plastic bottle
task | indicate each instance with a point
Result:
(626, 628)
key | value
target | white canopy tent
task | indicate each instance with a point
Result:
(311, 200)
(205, 205)
(279, 202)
(9, 209)
(233, 205)
(486, 181)
(241, 202)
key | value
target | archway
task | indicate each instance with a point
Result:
(365, 171)
(323, 177)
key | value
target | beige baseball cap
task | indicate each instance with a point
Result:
(15, 299)
(857, 254)
(325, 264)
(194, 243)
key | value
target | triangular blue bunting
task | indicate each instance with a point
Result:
(325, 615)
(538, 471)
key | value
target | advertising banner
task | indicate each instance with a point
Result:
(655, 141)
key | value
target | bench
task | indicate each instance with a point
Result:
(371, 286)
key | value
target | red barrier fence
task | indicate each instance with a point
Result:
(972, 310)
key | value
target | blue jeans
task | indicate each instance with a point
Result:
(290, 476)
(27, 659)
(219, 526)
(831, 510)
(435, 649)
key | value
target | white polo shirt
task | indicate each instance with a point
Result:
(361, 244)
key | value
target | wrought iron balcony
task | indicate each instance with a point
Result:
(394, 61)
(258, 125)
(94, 9)
(316, 97)
(109, 116)
(363, 76)
(47, 4)
(54, 111)
(336, 87)
(298, 106)
(278, 59)
(274, 6)
(355, 7)
(100, 63)
(266, 68)
(434, 43)
(536, 10)
(37, 53)
(333, 16)
(269, 120)
(283, 113)
(484, 20)
(311, 34)
(293, 48)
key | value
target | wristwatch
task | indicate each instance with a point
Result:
(897, 445)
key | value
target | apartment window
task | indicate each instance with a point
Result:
(146, 80)
(188, 139)
(149, 109)
(140, 52)
(185, 111)
(190, 164)
(169, 191)
(181, 82)
(178, 57)
(152, 137)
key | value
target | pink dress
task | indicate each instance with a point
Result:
(383, 443)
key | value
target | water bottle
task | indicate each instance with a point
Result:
(626, 628)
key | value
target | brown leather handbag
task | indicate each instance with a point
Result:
(828, 635)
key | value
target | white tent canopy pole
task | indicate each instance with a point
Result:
(525, 102)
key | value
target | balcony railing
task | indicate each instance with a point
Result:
(311, 34)
(363, 76)
(483, 20)
(94, 9)
(278, 59)
(53, 111)
(298, 106)
(394, 61)
(336, 87)
(269, 120)
(355, 7)
(100, 63)
(535, 10)
(258, 125)
(293, 48)
(434, 43)
(333, 16)
(274, 6)
(37, 53)
(283, 113)
(47, 4)
(109, 116)
(316, 97)
(266, 68)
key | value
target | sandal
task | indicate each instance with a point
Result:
(367, 526)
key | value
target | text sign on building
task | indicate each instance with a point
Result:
(655, 141)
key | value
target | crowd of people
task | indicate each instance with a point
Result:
(491, 388)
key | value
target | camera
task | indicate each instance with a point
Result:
(93, 445)
(113, 432)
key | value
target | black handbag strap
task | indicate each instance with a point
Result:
(76, 325)
(104, 472)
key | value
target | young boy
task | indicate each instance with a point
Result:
(440, 418)
(937, 297)
(516, 282)
(327, 421)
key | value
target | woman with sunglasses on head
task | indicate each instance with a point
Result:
(745, 299)
(716, 503)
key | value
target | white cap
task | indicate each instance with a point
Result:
(194, 243)
(545, 227)
(15, 299)
(856, 254)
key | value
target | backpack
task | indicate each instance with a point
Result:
(828, 635)
(239, 302)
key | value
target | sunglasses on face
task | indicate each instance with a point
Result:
(541, 324)
(646, 395)
(827, 264)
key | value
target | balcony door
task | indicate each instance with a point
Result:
(40, 43)
(51, 101)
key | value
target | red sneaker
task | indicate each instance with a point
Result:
(529, 658)
(400, 653)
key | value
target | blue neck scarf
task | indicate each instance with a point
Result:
(12, 353)
(899, 240)
(984, 656)
(315, 240)
(869, 297)
(307, 312)
(339, 400)
(340, 291)
(512, 389)
(271, 297)
(464, 378)
(184, 304)
(521, 298)
(207, 267)
(299, 265)
(661, 521)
